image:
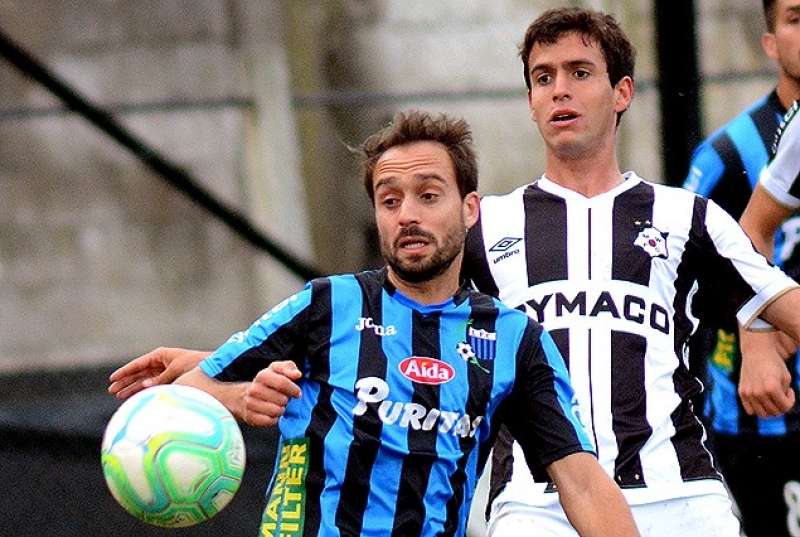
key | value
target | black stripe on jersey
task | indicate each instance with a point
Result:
(766, 120)
(479, 390)
(416, 470)
(628, 406)
(561, 339)
(545, 236)
(502, 466)
(733, 188)
(291, 335)
(794, 190)
(367, 428)
(633, 212)
(475, 266)
(723, 288)
(322, 415)
(693, 458)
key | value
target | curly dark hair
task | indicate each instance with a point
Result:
(417, 126)
(594, 26)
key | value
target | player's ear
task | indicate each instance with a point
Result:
(769, 45)
(470, 209)
(531, 111)
(623, 91)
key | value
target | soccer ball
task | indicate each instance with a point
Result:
(172, 456)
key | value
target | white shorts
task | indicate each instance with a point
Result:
(707, 515)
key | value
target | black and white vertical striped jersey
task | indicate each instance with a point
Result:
(781, 177)
(612, 278)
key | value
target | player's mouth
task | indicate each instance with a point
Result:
(563, 117)
(413, 240)
(412, 244)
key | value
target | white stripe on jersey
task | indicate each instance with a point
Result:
(781, 177)
(615, 274)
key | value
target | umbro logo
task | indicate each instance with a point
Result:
(504, 244)
(503, 247)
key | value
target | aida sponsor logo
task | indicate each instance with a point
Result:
(427, 370)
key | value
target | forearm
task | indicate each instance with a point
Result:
(594, 505)
(784, 313)
(230, 394)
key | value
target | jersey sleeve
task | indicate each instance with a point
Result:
(279, 334)
(542, 412)
(781, 178)
(743, 279)
(718, 173)
(475, 266)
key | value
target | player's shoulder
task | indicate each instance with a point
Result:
(495, 201)
(482, 302)
(789, 130)
(733, 125)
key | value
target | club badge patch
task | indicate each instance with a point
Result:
(651, 240)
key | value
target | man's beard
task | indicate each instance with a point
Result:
(431, 267)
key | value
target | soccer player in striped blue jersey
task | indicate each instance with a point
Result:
(755, 449)
(397, 380)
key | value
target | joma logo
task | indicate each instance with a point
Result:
(366, 323)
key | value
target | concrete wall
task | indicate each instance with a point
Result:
(99, 260)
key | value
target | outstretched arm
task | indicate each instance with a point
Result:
(159, 366)
(260, 402)
(765, 383)
(593, 503)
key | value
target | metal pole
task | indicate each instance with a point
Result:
(165, 169)
(679, 86)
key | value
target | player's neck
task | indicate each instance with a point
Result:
(433, 291)
(590, 176)
(788, 90)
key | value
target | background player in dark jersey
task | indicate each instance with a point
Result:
(754, 450)
(406, 375)
(609, 263)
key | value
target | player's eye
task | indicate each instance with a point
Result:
(390, 202)
(581, 74)
(429, 196)
(543, 79)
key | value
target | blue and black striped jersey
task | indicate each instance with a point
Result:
(726, 168)
(400, 404)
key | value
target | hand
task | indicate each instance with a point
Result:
(786, 346)
(159, 366)
(764, 382)
(268, 394)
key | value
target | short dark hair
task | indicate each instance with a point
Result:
(418, 126)
(595, 26)
(769, 14)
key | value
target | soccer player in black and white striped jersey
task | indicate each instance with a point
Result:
(610, 263)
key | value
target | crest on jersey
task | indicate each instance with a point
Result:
(651, 240)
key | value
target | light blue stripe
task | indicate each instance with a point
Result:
(747, 140)
(346, 307)
(723, 401)
(705, 170)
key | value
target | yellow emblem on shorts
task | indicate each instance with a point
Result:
(285, 510)
(724, 351)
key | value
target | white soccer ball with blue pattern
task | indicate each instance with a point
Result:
(173, 456)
